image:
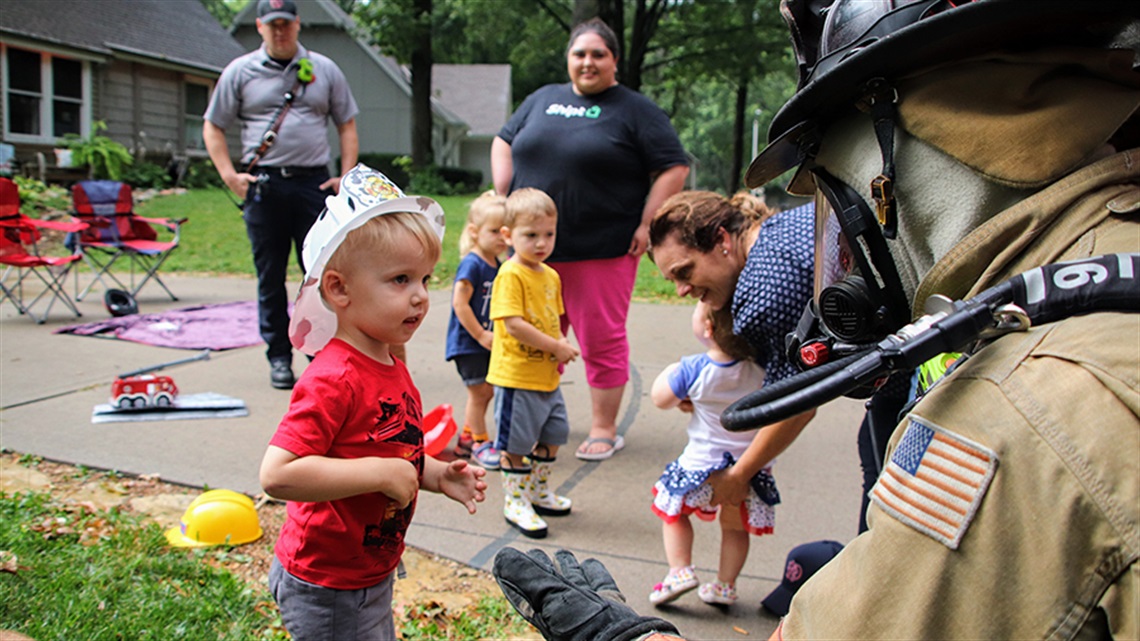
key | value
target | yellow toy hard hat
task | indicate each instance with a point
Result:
(217, 517)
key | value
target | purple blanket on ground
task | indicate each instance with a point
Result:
(215, 327)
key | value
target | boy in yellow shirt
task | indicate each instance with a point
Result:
(529, 348)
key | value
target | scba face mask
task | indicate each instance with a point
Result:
(858, 297)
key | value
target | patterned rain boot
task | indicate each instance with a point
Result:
(544, 500)
(517, 509)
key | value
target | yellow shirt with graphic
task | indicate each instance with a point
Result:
(536, 296)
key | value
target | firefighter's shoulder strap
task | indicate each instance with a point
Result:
(304, 77)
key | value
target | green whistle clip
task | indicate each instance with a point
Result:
(305, 70)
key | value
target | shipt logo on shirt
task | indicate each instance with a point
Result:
(567, 111)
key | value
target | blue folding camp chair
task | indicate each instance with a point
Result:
(114, 231)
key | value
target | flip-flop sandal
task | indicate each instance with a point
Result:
(616, 444)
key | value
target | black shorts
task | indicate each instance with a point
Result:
(473, 368)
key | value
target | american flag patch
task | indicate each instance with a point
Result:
(935, 481)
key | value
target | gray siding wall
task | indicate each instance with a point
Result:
(117, 104)
(142, 107)
(475, 153)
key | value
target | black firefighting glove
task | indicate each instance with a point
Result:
(570, 601)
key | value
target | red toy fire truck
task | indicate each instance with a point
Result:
(138, 392)
(142, 390)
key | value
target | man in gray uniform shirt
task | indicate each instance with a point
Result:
(285, 191)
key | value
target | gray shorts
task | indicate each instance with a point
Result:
(524, 418)
(313, 612)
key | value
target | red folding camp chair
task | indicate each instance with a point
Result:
(21, 257)
(114, 231)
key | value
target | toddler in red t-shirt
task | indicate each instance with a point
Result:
(349, 453)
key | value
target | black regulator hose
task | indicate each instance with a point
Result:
(793, 395)
(1041, 295)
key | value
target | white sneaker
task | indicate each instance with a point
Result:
(717, 593)
(676, 583)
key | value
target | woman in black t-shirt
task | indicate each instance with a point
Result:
(609, 157)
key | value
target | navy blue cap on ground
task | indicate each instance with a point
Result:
(803, 561)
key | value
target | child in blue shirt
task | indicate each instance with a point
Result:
(469, 328)
(710, 382)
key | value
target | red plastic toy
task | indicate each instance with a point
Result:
(145, 391)
(139, 389)
(439, 426)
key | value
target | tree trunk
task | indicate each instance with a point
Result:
(584, 10)
(421, 86)
(738, 135)
(646, 17)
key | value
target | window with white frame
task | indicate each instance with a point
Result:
(196, 97)
(45, 96)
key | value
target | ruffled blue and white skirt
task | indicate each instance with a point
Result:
(683, 492)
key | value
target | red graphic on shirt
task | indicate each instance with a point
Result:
(397, 422)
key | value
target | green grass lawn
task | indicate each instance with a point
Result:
(72, 571)
(214, 241)
(79, 573)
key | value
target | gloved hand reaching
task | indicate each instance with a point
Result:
(570, 601)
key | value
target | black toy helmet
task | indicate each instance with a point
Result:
(851, 56)
(842, 45)
(120, 303)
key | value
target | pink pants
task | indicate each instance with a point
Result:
(596, 294)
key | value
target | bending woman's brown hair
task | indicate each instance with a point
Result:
(697, 217)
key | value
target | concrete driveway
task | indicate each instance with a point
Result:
(49, 384)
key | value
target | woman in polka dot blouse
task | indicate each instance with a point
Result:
(734, 252)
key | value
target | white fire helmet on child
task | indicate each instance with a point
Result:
(364, 194)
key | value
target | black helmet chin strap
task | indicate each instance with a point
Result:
(879, 100)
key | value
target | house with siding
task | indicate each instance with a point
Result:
(144, 67)
(147, 68)
(481, 96)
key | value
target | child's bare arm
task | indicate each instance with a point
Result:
(285, 475)
(457, 480)
(461, 304)
(530, 335)
(662, 392)
(730, 485)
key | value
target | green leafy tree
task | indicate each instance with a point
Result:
(224, 11)
(711, 64)
(736, 52)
